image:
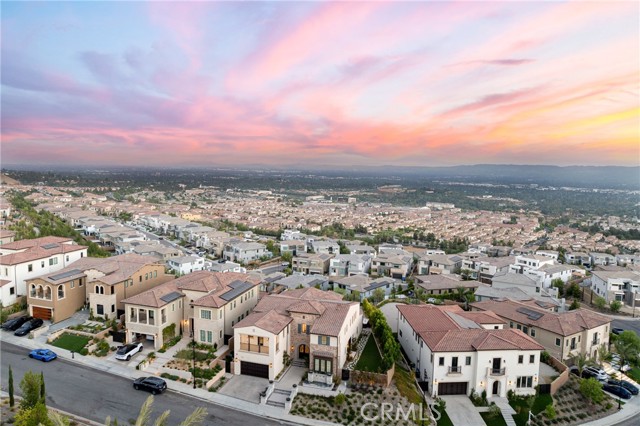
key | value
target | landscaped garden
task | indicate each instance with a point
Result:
(370, 359)
(72, 342)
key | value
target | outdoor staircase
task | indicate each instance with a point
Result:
(278, 398)
(506, 409)
(300, 363)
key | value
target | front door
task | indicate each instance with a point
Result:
(496, 388)
(303, 351)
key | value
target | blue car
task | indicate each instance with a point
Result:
(43, 355)
(617, 391)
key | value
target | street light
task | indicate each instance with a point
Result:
(193, 343)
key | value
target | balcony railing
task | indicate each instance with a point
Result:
(455, 370)
(254, 348)
(497, 371)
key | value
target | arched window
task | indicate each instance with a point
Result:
(47, 292)
(98, 289)
(33, 290)
(60, 292)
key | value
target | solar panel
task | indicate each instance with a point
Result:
(533, 315)
(50, 246)
(62, 275)
(238, 287)
(167, 298)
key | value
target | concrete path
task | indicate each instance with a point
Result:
(506, 409)
(462, 412)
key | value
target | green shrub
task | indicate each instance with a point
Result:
(550, 412)
(340, 399)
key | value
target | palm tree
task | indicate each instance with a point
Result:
(144, 418)
(603, 354)
(466, 295)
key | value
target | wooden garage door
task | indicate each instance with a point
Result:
(42, 313)
(253, 369)
(453, 388)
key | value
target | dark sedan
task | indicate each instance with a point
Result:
(15, 323)
(633, 390)
(617, 330)
(151, 384)
(28, 327)
(617, 390)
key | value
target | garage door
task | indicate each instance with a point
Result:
(454, 388)
(42, 313)
(253, 369)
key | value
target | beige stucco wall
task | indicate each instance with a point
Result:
(74, 298)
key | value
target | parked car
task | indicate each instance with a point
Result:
(633, 390)
(151, 384)
(127, 351)
(43, 355)
(596, 372)
(15, 323)
(617, 330)
(617, 390)
(28, 326)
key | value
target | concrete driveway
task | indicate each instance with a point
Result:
(390, 312)
(462, 412)
(247, 388)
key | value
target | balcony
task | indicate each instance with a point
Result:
(254, 348)
(596, 341)
(455, 370)
(497, 371)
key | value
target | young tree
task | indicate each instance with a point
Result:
(592, 390)
(378, 295)
(12, 400)
(615, 306)
(599, 302)
(574, 305)
(33, 416)
(31, 388)
(559, 284)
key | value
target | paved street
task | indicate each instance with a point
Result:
(96, 395)
(630, 324)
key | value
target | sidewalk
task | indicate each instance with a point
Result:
(121, 369)
(630, 409)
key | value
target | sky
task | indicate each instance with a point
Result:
(164, 83)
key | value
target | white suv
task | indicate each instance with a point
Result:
(127, 351)
(595, 372)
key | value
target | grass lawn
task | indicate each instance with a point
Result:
(521, 419)
(71, 342)
(444, 419)
(493, 421)
(406, 386)
(541, 402)
(370, 358)
(634, 373)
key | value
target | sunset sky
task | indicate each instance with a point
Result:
(366, 83)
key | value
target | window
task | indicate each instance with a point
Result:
(60, 292)
(203, 336)
(12, 291)
(155, 274)
(173, 308)
(525, 330)
(209, 336)
(163, 314)
(140, 278)
(400, 333)
(100, 309)
(520, 359)
(42, 264)
(53, 261)
(73, 283)
(467, 361)
(303, 328)
(132, 315)
(80, 282)
(533, 332)
(557, 341)
(519, 327)
(67, 258)
(323, 365)
(146, 276)
(113, 308)
(532, 359)
(30, 267)
(220, 311)
(441, 361)
(524, 382)
(324, 340)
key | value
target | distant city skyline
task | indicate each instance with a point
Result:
(335, 83)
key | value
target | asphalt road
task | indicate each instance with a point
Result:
(95, 395)
(630, 324)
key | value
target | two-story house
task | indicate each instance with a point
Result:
(245, 252)
(602, 259)
(306, 324)
(311, 263)
(365, 286)
(395, 264)
(444, 283)
(293, 246)
(622, 286)
(344, 265)
(25, 259)
(207, 303)
(439, 264)
(454, 351)
(185, 264)
(563, 334)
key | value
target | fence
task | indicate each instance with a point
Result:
(367, 377)
(562, 378)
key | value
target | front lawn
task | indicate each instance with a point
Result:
(370, 358)
(71, 342)
(444, 419)
(541, 402)
(634, 373)
(493, 421)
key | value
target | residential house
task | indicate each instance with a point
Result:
(563, 334)
(578, 258)
(542, 300)
(329, 247)
(293, 246)
(152, 248)
(444, 284)
(602, 259)
(292, 234)
(622, 286)
(6, 236)
(25, 259)
(185, 264)
(310, 263)
(524, 282)
(394, 263)
(225, 266)
(245, 252)
(454, 352)
(305, 324)
(548, 253)
(343, 265)
(206, 302)
(302, 281)
(524, 263)
(439, 264)
(361, 249)
(489, 267)
(621, 259)
(365, 286)
(546, 274)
